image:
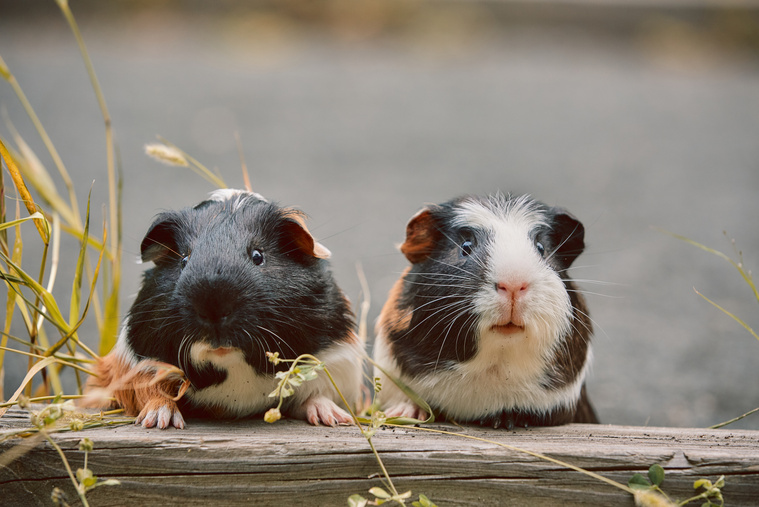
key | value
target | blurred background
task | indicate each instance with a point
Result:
(632, 114)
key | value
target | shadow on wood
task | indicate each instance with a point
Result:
(252, 462)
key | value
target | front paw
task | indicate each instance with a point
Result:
(160, 413)
(320, 409)
(407, 409)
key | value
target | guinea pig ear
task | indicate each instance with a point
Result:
(160, 241)
(297, 233)
(568, 234)
(422, 234)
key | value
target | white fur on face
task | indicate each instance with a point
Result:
(544, 308)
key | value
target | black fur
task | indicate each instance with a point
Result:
(205, 286)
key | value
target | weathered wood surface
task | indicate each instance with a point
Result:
(254, 463)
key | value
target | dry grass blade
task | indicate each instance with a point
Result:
(729, 314)
(36, 368)
(26, 197)
(739, 266)
(77, 285)
(38, 177)
(196, 166)
(110, 321)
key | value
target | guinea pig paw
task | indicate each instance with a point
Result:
(320, 409)
(407, 409)
(160, 415)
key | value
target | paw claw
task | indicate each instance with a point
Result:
(323, 410)
(160, 414)
(407, 409)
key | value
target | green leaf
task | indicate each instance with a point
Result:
(656, 474)
(357, 501)
(108, 482)
(13, 223)
(85, 476)
(420, 402)
(405, 421)
(706, 483)
(380, 493)
(423, 502)
(637, 481)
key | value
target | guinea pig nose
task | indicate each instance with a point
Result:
(212, 307)
(513, 289)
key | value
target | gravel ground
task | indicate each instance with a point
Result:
(657, 127)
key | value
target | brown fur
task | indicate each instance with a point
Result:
(137, 389)
(421, 236)
(392, 319)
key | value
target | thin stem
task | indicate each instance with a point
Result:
(525, 451)
(45, 398)
(78, 488)
(731, 421)
(381, 464)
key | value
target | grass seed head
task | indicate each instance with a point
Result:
(166, 154)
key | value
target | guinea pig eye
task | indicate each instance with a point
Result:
(257, 257)
(183, 262)
(540, 248)
(467, 247)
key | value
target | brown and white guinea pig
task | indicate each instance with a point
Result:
(235, 277)
(486, 325)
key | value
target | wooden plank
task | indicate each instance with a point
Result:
(244, 462)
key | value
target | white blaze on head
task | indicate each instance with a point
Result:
(542, 306)
(226, 194)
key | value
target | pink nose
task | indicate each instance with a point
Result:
(514, 289)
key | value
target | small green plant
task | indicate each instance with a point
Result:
(305, 368)
(648, 490)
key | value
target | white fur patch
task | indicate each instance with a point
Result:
(490, 382)
(245, 391)
(122, 349)
(226, 194)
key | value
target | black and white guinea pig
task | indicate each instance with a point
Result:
(486, 325)
(235, 277)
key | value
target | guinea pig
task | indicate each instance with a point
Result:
(235, 277)
(486, 325)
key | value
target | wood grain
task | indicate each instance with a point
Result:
(252, 462)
